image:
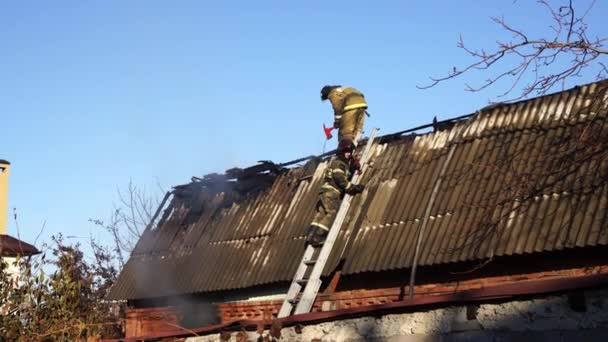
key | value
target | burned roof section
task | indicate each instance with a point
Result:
(519, 178)
(204, 195)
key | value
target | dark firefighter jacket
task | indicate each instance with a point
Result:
(336, 176)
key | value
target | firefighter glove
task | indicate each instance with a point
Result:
(356, 189)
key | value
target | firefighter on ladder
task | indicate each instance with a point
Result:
(349, 108)
(335, 184)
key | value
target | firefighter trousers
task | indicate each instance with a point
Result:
(326, 209)
(351, 123)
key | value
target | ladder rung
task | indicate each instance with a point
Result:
(302, 281)
(310, 262)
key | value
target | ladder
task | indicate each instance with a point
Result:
(307, 279)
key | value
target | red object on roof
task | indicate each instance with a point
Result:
(12, 247)
(327, 131)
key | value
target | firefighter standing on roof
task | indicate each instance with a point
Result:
(349, 110)
(335, 184)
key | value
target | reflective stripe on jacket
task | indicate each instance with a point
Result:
(345, 99)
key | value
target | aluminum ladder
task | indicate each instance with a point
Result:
(307, 279)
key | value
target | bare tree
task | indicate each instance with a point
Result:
(130, 216)
(547, 181)
(537, 64)
(569, 163)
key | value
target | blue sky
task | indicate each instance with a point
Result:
(93, 94)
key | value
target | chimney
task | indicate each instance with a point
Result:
(4, 169)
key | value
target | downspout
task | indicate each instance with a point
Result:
(425, 221)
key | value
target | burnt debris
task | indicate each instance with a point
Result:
(234, 186)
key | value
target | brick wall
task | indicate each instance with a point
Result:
(248, 310)
(541, 318)
(257, 310)
(355, 291)
(151, 321)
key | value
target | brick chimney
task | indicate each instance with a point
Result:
(4, 171)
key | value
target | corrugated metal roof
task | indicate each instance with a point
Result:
(517, 178)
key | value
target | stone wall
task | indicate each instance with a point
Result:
(578, 316)
(146, 318)
(263, 309)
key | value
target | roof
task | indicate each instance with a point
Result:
(12, 247)
(4, 162)
(517, 178)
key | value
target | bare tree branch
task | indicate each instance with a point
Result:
(542, 63)
(570, 163)
(129, 218)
